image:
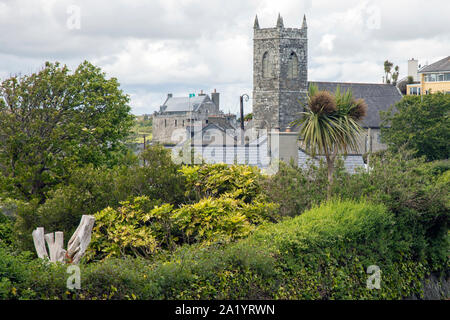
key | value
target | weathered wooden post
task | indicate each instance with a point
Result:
(76, 248)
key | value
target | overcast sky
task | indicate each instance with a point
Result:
(155, 47)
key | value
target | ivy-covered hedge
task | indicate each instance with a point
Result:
(321, 254)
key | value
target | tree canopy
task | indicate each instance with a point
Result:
(420, 124)
(53, 121)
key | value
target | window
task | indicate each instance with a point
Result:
(447, 77)
(266, 66)
(165, 122)
(176, 122)
(292, 66)
(440, 77)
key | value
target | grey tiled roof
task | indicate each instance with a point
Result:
(438, 66)
(255, 154)
(183, 104)
(379, 97)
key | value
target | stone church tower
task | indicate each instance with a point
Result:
(280, 74)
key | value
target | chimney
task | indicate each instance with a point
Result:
(413, 66)
(215, 97)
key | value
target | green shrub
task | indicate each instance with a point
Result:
(297, 189)
(127, 230)
(222, 219)
(415, 191)
(89, 190)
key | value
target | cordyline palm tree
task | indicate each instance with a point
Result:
(330, 125)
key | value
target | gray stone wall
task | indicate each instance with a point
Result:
(276, 97)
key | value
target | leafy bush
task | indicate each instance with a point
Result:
(238, 181)
(222, 219)
(126, 230)
(415, 191)
(90, 190)
(297, 189)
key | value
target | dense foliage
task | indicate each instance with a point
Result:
(420, 124)
(322, 254)
(415, 191)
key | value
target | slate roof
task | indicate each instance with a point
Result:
(438, 66)
(379, 97)
(183, 104)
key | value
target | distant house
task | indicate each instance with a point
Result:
(432, 78)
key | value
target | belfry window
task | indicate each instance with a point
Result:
(292, 66)
(266, 66)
